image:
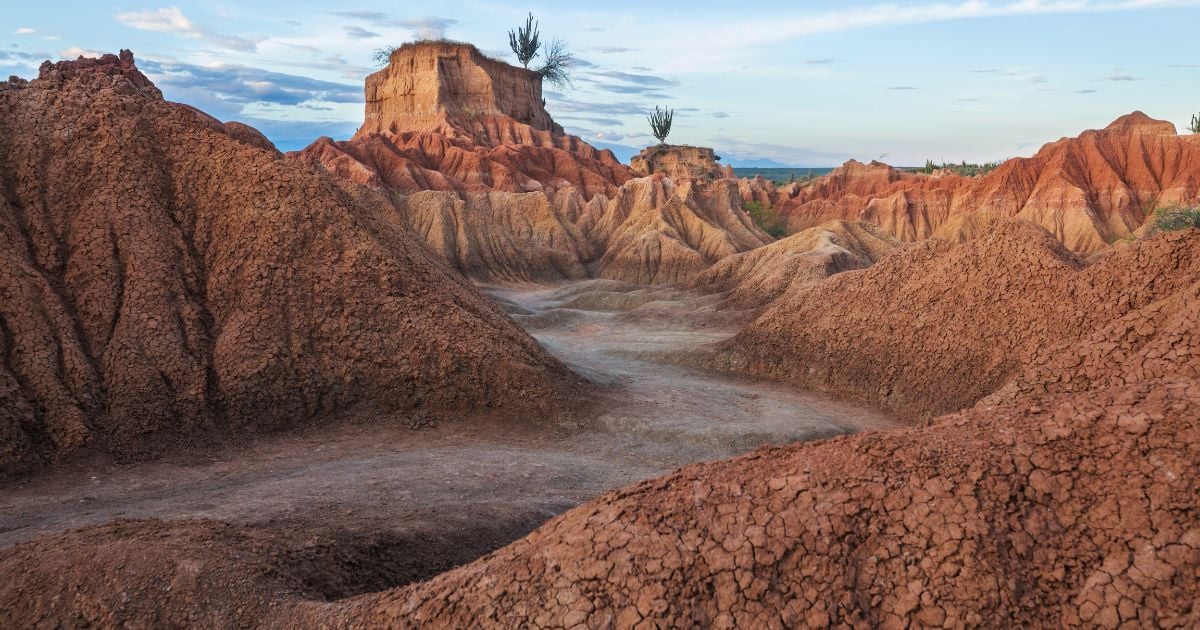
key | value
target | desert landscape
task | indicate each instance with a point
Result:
(465, 369)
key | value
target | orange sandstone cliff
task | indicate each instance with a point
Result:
(1088, 191)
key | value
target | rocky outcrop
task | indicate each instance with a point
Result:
(655, 231)
(1088, 191)
(165, 274)
(502, 236)
(519, 200)
(680, 162)
(935, 327)
(443, 116)
(430, 85)
(757, 277)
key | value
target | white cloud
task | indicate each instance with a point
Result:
(166, 20)
(789, 27)
(25, 31)
(172, 20)
(686, 46)
(74, 52)
(429, 27)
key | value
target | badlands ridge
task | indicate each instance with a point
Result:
(173, 280)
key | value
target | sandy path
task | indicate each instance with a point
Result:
(371, 474)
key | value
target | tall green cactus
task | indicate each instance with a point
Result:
(660, 123)
(1195, 123)
(525, 41)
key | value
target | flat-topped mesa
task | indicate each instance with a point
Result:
(447, 86)
(679, 162)
(443, 116)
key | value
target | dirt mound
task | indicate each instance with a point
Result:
(163, 275)
(1074, 509)
(1088, 191)
(934, 327)
(184, 574)
(1081, 510)
(757, 277)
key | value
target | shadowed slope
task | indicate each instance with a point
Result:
(936, 326)
(162, 275)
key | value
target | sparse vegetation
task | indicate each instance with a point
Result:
(765, 218)
(1176, 217)
(782, 175)
(963, 168)
(525, 41)
(1195, 126)
(660, 123)
(383, 55)
(556, 69)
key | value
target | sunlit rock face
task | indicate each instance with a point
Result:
(1089, 191)
(680, 162)
(428, 84)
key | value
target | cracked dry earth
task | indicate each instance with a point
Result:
(365, 505)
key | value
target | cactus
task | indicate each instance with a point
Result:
(524, 41)
(1195, 123)
(660, 123)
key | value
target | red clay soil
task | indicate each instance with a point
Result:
(204, 573)
(1078, 510)
(162, 273)
(1073, 510)
(936, 326)
(1088, 191)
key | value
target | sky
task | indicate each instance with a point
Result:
(763, 82)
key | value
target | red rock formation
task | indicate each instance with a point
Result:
(934, 327)
(1088, 191)
(163, 273)
(443, 116)
(758, 276)
(427, 85)
(655, 231)
(680, 162)
(502, 236)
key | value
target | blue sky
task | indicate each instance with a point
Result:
(800, 83)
